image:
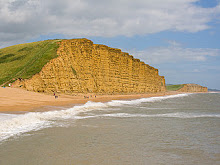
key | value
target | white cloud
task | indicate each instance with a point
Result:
(196, 70)
(174, 43)
(175, 54)
(82, 18)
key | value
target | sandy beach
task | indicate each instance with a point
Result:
(16, 99)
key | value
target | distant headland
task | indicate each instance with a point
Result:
(187, 88)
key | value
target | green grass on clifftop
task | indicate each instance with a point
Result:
(174, 87)
(25, 60)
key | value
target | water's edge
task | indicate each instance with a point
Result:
(17, 124)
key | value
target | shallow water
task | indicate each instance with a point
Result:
(179, 129)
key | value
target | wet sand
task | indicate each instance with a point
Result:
(16, 99)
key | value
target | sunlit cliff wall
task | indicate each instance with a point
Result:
(193, 88)
(84, 67)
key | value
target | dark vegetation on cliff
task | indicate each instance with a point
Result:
(25, 60)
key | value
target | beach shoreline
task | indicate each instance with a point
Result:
(14, 100)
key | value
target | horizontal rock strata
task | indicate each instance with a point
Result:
(193, 88)
(84, 67)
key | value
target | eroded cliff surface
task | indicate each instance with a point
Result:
(84, 67)
(193, 88)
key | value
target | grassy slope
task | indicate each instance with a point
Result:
(25, 60)
(174, 87)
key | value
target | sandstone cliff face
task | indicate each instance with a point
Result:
(193, 88)
(84, 67)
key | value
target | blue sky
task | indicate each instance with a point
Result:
(179, 37)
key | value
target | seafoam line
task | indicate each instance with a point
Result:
(12, 125)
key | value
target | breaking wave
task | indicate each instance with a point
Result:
(17, 124)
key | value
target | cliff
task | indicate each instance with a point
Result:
(84, 67)
(193, 88)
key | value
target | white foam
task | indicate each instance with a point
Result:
(4, 116)
(11, 125)
(144, 100)
(37, 120)
(166, 115)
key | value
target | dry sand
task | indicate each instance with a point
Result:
(16, 99)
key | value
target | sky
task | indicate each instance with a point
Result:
(179, 37)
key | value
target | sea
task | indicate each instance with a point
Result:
(182, 129)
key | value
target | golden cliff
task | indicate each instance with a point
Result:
(193, 88)
(84, 67)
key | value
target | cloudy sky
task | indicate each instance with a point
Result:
(179, 37)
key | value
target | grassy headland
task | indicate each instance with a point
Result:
(25, 60)
(174, 87)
